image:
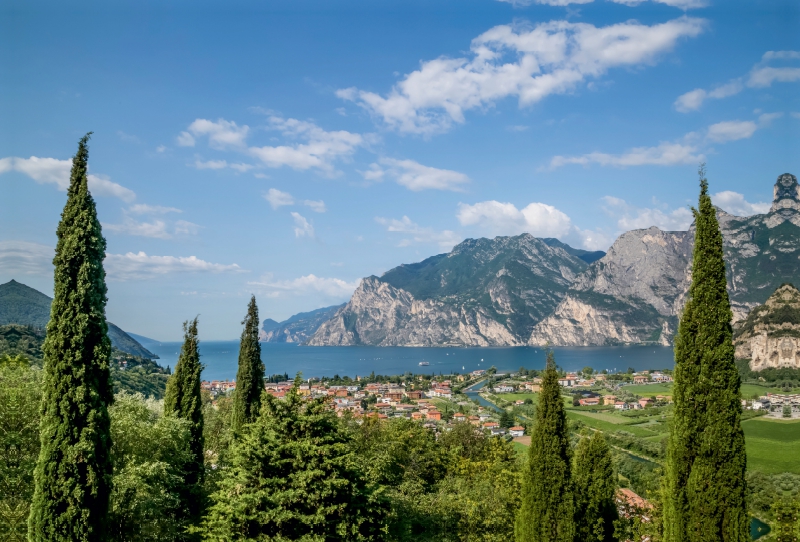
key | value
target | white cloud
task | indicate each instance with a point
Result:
(211, 164)
(277, 199)
(591, 239)
(184, 227)
(23, 258)
(414, 233)
(302, 227)
(221, 134)
(185, 139)
(417, 177)
(680, 4)
(630, 217)
(665, 154)
(307, 285)
(523, 3)
(55, 171)
(761, 75)
(795, 115)
(511, 60)
(319, 150)
(157, 229)
(374, 173)
(140, 266)
(316, 206)
(161, 148)
(735, 204)
(731, 130)
(496, 218)
(144, 209)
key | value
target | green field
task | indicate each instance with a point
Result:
(646, 390)
(772, 445)
(591, 420)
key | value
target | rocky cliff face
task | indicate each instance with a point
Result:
(635, 293)
(296, 329)
(522, 290)
(483, 293)
(770, 336)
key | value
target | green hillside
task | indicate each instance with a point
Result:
(22, 305)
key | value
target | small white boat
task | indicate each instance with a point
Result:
(423, 363)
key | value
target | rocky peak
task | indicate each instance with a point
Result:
(770, 335)
(786, 194)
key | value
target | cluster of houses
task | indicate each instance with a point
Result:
(618, 404)
(218, 387)
(774, 403)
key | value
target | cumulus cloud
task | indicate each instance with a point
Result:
(630, 217)
(56, 172)
(302, 227)
(762, 75)
(735, 204)
(665, 154)
(222, 134)
(306, 285)
(144, 209)
(316, 206)
(319, 149)
(310, 147)
(277, 199)
(496, 218)
(416, 176)
(680, 4)
(414, 233)
(731, 130)
(140, 266)
(24, 258)
(156, 228)
(211, 164)
(515, 61)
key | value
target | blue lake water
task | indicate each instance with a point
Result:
(220, 359)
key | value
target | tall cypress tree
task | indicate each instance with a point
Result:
(73, 473)
(547, 511)
(182, 399)
(704, 497)
(250, 376)
(595, 485)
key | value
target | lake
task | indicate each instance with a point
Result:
(220, 358)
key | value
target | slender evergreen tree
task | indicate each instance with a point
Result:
(250, 376)
(547, 510)
(595, 485)
(73, 472)
(704, 497)
(182, 399)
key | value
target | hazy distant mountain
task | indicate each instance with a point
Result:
(296, 329)
(588, 256)
(22, 305)
(485, 292)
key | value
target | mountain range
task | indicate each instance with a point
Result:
(522, 290)
(24, 306)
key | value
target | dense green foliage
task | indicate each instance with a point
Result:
(250, 375)
(547, 510)
(20, 397)
(595, 485)
(295, 477)
(150, 454)
(73, 472)
(18, 340)
(705, 484)
(183, 400)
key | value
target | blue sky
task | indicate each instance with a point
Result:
(288, 149)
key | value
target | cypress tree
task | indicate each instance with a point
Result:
(547, 510)
(704, 497)
(73, 473)
(182, 399)
(250, 376)
(595, 509)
